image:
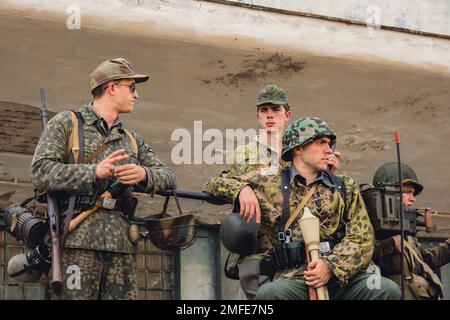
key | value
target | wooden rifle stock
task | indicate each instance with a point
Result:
(56, 280)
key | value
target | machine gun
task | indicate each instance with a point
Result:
(383, 204)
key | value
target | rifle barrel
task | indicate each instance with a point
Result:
(44, 112)
(196, 195)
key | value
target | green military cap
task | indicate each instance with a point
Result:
(114, 69)
(272, 94)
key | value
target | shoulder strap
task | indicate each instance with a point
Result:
(287, 218)
(76, 143)
(133, 141)
(301, 206)
(426, 268)
(73, 145)
(339, 185)
(286, 191)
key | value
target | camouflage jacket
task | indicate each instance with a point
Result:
(51, 170)
(253, 158)
(421, 281)
(348, 257)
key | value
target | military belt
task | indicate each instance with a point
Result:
(88, 202)
(289, 255)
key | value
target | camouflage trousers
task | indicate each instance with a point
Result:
(97, 275)
(360, 287)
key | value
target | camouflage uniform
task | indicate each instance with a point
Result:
(421, 282)
(99, 247)
(254, 158)
(348, 259)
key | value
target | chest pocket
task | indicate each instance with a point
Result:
(73, 144)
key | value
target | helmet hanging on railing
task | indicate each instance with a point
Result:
(171, 233)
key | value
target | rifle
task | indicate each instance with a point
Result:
(188, 194)
(56, 282)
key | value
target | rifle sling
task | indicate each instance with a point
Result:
(300, 206)
(286, 190)
(79, 157)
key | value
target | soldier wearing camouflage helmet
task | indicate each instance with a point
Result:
(272, 113)
(346, 233)
(98, 254)
(421, 282)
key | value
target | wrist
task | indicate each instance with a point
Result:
(143, 174)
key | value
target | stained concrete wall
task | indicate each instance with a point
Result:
(429, 16)
(222, 25)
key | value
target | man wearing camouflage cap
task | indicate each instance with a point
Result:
(272, 113)
(346, 234)
(98, 257)
(421, 282)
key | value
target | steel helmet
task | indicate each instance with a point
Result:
(303, 131)
(28, 267)
(171, 233)
(387, 175)
(238, 236)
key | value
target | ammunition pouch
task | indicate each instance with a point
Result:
(283, 256)
(128, 207)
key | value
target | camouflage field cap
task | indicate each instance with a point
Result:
(387, 175)
(302, 132)
(114, 69)
(272, 94)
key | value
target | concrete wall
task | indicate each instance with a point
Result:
(231, 26)
(429, 16)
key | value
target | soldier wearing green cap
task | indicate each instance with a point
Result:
(346, 233)
(421, 282)
(272, 113)
(98, 256)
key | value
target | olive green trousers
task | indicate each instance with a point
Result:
(361, 287)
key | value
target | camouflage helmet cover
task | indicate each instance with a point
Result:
(387, 175)
(114, 69)
(272, 94)
(302, 132)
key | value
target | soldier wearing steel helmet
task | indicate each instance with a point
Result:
(345, 225)
(421, 282)
(262, 154)
(98, 255)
